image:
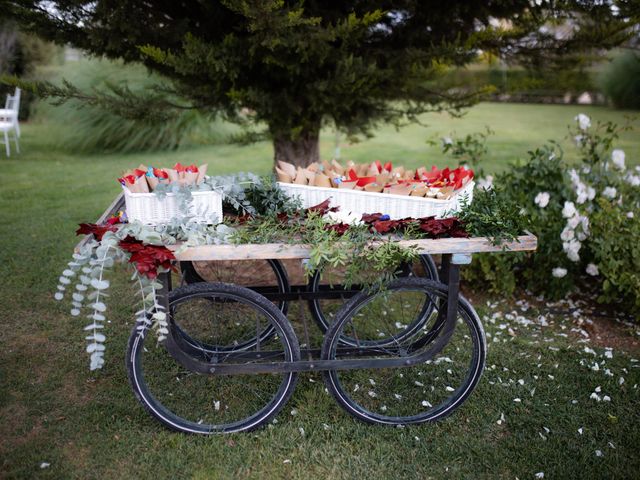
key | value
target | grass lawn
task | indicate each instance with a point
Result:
(89, 425)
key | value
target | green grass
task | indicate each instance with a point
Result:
(89, 425)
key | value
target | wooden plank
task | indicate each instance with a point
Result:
(115, 206)
(284, 251)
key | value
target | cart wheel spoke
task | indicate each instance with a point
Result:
(412, 394)
(216, 316)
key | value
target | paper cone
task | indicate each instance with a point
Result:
(283, 176)
(142, 185)
(153, 183)
(202, 172)
(337, 167)
(399, 189)
(314, 167)
(383, 178)
(419, 190)
(374, 188)
(348, 185)
(301, 178)
(190, 178)
(173, 175)
(372, 171)
(445, 193)
(287, 168)
(143, 167)
(321, 180)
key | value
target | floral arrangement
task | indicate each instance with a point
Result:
(378, 178)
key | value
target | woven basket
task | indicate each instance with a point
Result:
(151, 210)
(396, 206)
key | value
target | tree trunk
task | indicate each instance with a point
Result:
(300, 151)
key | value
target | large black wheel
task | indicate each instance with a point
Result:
(324, 310)
(422, 392)
(221, 318)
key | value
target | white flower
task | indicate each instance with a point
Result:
(343, 217)
(583, 120)
(567, 234)
(574, 221)
(485, 183)
(582, 195)
(610, 192)
(542, 199)
(633, 180)
(578, 139)
(591, 193)
(585, 224)
(447, 141)
(540, 475)
(569, 210)
(559, 272)
(592, 269)
(572, 248)
(617, 157)
(629, 214)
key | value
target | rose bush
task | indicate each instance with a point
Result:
(586, 218)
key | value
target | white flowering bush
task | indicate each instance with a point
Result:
(586, 217)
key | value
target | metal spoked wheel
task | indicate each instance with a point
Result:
(425, 391)
(265, 277)
(221, 317)
(324, 311)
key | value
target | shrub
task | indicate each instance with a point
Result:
(90, 128)
(620, 81)
(587, 221)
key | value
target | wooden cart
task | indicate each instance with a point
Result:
(410, 352)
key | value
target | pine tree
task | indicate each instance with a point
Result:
(297, 65)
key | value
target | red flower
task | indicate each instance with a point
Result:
(337, 227)
(371, 217)
(147, 258)
(96, 230)
(179, 168)
(160, 173)
(138, 172)
(322, 208)
(191, 169)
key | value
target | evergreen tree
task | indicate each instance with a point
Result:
(296, 65)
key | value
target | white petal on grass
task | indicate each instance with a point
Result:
(598, 389)
(58, 296)
(426, 404)
(606, 398)
(580, 430)
(294, 411)
(449, 389)
(540, 475)
(517, 400)
(599, 453)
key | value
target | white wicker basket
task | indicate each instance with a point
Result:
(151, 210)
(396, 206)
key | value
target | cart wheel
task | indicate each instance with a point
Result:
(325, 310)
(223, 315)
(413, 394)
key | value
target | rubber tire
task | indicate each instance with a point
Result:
(342, 397)
(172, 421)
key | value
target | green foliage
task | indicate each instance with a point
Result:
(586, 220)
(620, 81)
(493, 214)
(94, 126)
(21, 55)
(266, 198)
(617, 255)
(297, 65)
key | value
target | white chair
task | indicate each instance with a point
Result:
(9, 120)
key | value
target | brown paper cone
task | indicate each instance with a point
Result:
(400, 189)
(337, 167)
(445, 193)
(321, 180)
(421, 171)
(287, 168)
(372, 171)
(141, 184)
(362, 169)
(374, 188)
(348, 185)
(283, 176)
(419, 190)
(314, 167)
(301, 178)
(153, 183)
(409, 174)
(133, 188)
(190, 178)
(398, 171)
(202, 172)
(142, 167)
(173, 175)
(383, 178)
